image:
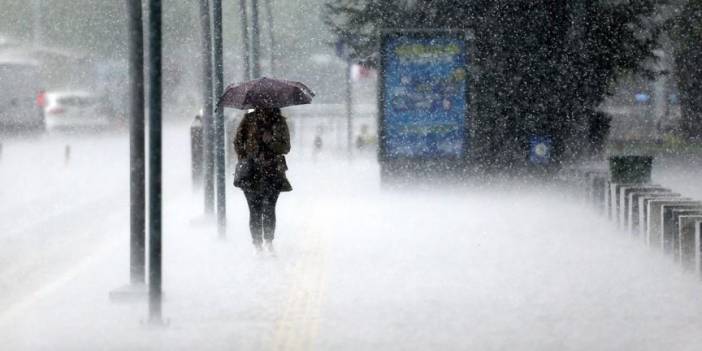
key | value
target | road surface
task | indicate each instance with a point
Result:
(478, 267)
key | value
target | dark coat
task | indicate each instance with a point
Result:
(265, 138)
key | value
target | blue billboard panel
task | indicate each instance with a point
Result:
(424, 96)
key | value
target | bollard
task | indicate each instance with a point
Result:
(624, 203)
(196, 152)
(633, 221)
(654, 217)
(593, 184)
(669, 232)
(684, 231)
(581, 179)
(614, 207)
(599, 183)
(67, 155)
(686, 239)
(644, 213)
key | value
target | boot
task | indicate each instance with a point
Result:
(268, 246)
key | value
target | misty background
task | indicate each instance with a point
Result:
(85, 40)
(647, 80)
(515, 257)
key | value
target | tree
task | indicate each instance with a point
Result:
(542, 67)
(687, 35)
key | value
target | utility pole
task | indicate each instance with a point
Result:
(343, 51)
(271, 36)
(219, 117)
(37, 29)
(136, 145)
(155, 217)
(349, 107)
(137, 159)
(245, 39)
(255, 41)
(207, 115)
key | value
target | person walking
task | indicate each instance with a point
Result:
(261, 142)
(262, 139)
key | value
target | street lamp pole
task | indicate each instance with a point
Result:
(155, 216)
(136, 145)
(245, 39)
(37, 30)
(207, 115)
(255, 41)
(349, 107)
(219, 117)
(271, 36)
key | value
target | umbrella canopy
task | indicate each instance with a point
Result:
(266, 93)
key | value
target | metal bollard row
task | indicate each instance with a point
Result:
(659, 217)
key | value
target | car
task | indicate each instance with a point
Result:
(20, 87)
(75, 109)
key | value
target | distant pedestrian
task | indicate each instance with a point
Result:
(363, 139)
(318, 143)
(262, 139)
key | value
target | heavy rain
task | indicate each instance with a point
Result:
(350, 175)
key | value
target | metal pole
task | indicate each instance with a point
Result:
(137, 173)
(37, 35)
(196, 152)
(155, 294)
(349, 108)
(67, 155)
(245, 39)
(219, 117)
(208, 135)
(271, 36)
(255, 41)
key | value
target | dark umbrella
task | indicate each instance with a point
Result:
(266, 93)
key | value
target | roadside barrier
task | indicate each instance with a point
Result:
(664, 220)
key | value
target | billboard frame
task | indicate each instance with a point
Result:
(391, 165)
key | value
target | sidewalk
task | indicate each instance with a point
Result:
(359, 268)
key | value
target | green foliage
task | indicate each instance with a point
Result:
(687, 35)
(542, 66)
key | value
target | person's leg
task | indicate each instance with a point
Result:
(255, 202)
(269, 200)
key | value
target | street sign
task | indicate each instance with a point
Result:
(540, 150)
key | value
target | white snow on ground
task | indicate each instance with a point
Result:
(358, 267)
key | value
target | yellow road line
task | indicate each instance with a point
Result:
(298, 327)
